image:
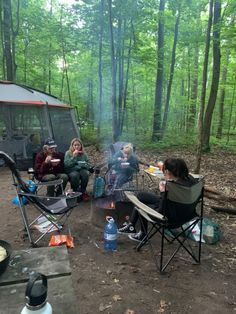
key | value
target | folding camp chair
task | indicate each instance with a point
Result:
(53, 210)
(184, 209)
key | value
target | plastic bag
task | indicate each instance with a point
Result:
(210, 231)
(60, 239)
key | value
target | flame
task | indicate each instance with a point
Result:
(112, 205)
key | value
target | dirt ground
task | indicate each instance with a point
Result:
(126, 281)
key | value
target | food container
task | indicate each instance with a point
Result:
(4, 263)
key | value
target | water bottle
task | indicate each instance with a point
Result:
(36, 296)
(98, 186)
(110, 235)
(32, 186)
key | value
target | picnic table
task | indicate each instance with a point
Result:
(50, 261)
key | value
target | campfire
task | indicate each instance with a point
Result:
(109, 206)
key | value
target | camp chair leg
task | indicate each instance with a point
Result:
(25, 220)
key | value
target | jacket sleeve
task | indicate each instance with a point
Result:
(70, 161)
(41, 168)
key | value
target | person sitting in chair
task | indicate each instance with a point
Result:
(175, 169)
(49, 166)
(124, 163)
(77, 167)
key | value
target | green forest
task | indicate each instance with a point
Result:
(156, 72)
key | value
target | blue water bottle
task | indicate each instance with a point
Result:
(110, 235)
(98, 186)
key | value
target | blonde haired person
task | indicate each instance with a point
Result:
(124, 163)
(77, 167)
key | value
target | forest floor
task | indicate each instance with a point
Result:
(126, 281)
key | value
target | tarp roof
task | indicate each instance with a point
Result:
(13, 93)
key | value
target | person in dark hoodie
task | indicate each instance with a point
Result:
(49, 166)
(175, 169)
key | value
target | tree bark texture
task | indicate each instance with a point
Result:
(156, 133)
(222, 97)
(172, 66)
(113, 76)
(215, 76)
(203, 91)
(100, 76)
(7, 35)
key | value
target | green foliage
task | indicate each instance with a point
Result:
(57, 50)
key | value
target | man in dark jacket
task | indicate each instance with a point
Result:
(49, 166)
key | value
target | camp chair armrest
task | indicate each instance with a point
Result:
(49, 183)
(148, 210)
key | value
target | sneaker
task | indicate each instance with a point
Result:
(127, 229)
(137, 237)
(85, 197)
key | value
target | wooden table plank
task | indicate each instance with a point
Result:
(60, 296)
(51, 261)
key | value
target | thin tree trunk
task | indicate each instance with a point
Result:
(7, 39)
(222, 97)
(215, 76)
(194, 91)
(172, 66)
(64, 59)
(14, 35)
(113, 76)
(231, 111)
(2, 40)
(156, 133)
(100, 70)
(203, 92)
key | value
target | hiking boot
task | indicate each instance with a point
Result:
(137, 237)
(85, 197)
(127, 229)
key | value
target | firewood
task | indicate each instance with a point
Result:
(225, 210)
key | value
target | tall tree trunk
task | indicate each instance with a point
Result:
(231, 111)
(172, 66)
(203, 92)
(115, 130)
(156, 133)
(2, 40)
(222, 97)
(126, 85)
(64, 58)
(215, 76)
(100, 70)
(15, 33)
(8, 39)
(194, 91)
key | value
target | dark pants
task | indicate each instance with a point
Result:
(52, 177)
(123, 176)
(150, 199)
(79, 180)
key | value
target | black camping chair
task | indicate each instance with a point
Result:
(184, 206)
(111, 178)
(54, 210)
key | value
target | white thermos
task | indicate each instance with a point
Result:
(36, 296)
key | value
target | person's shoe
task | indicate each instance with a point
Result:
(85, 197)
(137, 237)
(127, 229)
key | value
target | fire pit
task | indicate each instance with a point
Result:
(108, 206)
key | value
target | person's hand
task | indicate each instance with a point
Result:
(48, 159)
(162, 186)
(75, 153)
